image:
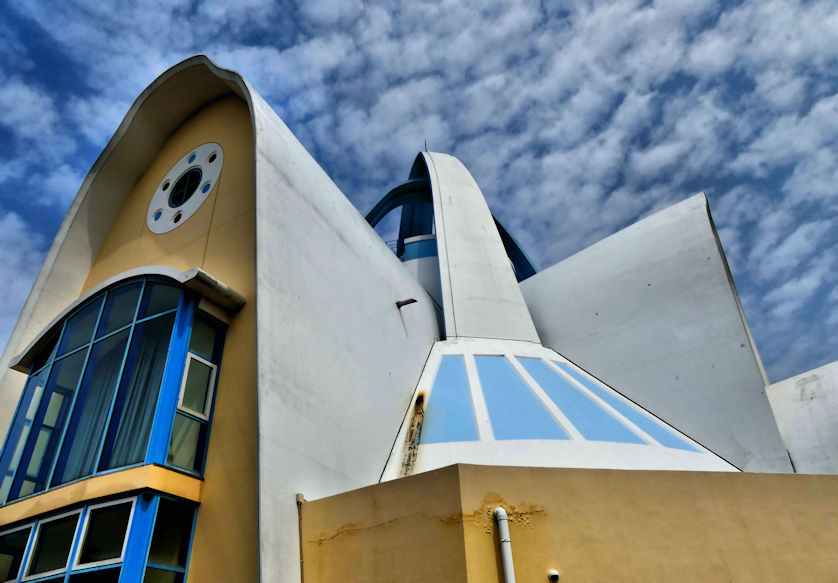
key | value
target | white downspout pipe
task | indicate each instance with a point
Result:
(505, 544)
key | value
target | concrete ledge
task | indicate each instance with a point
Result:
(156, 478)
(194, 279)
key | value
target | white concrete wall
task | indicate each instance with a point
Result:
(806, 409)
(481, 297)
(653, 312)
(337, 360)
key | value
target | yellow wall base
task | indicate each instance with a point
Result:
(590, 525)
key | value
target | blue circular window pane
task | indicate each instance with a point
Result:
(185, 187)
(157, 215)
(191, 158)
(206, 188)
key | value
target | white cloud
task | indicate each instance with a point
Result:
(574, 126)
(21, 254)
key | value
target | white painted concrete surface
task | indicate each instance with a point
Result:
(806, 409)
(481, 297)
(653, 312)
(337, 359)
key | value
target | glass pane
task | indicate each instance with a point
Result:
(100, 576)
(505, 391)
(37, 458)
(593, 422)
(187, 447)
(79, 328)
(56, 400)
(202, 339)
(153, 575)
(26, 488)
(12, 546)
(120, 307)
(172, 530)
(159, 297)
(66, 372)
(36, 397)
(652, 427)
(137, 400)
(197, 387)
(105, 533)
(81, 444)
(53, 545)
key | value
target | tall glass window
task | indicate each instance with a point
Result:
(100, 380)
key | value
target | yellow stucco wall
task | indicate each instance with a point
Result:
(590, 525)
(220, 239)
(407, 530)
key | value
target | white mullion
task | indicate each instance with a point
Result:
(478, 400)
(34, 547)
(210, 389)
(604, 405)
(557, 414)
(86, 525)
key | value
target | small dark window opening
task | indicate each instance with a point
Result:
(185, 187)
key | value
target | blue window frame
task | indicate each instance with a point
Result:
(107, 390)
(190, 428)
(113, 541)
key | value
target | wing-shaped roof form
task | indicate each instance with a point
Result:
(653, 311)
(480, 293)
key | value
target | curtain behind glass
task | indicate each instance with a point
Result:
(134, 413)
(81, 445)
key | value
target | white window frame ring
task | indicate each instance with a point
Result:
(34, 545)
(210, 390)
(86, 525)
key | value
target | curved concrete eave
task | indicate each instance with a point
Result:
(195, 279)
(163, 106)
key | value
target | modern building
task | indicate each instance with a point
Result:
(223, 373)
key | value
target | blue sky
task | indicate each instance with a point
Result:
(575, 121)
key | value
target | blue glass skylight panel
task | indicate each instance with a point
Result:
(515, 412)
(651, 426)
(592, 421)
(449, 415)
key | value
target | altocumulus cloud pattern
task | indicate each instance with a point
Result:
(575, 121)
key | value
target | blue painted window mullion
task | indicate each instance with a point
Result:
(27, 551)
(14, 431)
(106, 427)
(139, 539)
(20, 409)
(164, 414)
(74, 548)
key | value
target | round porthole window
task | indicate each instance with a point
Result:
(185, 188)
